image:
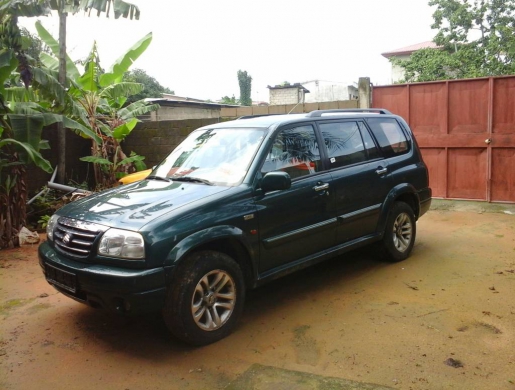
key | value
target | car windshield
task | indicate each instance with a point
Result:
(212, 156)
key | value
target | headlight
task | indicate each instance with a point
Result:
(122, 243)
(50, 227)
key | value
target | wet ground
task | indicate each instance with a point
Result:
(443, 319)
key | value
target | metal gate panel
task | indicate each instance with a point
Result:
(466, 133)
(428, 109)
(395, 99)
(468, 107)
(467, 173)
(504, 106)
(503, 174)
(436, 161)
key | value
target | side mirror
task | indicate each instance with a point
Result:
(275, 181)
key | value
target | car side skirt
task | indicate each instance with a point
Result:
(308, 261)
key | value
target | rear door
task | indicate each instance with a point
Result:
(360, 179)
(301, 221)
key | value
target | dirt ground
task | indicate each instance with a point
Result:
(443, 319)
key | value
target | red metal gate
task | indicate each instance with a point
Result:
(466, 131)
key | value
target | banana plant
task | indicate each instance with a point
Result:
(102, 96)
(21, 125)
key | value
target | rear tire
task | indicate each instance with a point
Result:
(205, 298)
(399, 234)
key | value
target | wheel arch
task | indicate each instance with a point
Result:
(225, 239)
(401, 193)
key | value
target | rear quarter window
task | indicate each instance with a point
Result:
(391, 138)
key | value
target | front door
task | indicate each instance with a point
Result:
(298, 222)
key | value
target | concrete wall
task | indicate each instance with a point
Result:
(327, 91)
(236, 112)
(286, 96)
(181, 113)
(76, 171)
(155, 140)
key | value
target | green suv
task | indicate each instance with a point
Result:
(235, 205)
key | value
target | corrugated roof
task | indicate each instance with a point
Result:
(410, 49)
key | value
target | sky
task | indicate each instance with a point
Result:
(198, 46)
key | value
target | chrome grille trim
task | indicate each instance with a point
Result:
(76, 238)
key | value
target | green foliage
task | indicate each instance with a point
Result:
(230, 100)
(43, 221)
(476, 38)
(151, 87)
(245, 81)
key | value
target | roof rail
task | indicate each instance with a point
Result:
(319, 113)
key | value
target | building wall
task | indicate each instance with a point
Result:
(327, 91)
(285, 96)
(397, 73)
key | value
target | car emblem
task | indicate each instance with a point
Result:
(67, 238)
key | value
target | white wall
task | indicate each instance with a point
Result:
(329, 91)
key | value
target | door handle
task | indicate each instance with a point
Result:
(321, 187)
(381, 171)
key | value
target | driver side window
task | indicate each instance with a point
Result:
(294, 151)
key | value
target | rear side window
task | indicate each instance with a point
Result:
(389, 135)
(347, 143)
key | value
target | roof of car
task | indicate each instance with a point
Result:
(269, 120)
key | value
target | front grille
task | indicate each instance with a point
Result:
(76, 238)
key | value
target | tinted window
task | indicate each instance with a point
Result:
(294, 151)
(370, 146)
(344, 143)
(389, 135)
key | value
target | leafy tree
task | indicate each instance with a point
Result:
(229, 100)
(245, 81)
(151, 87)
(476, 38)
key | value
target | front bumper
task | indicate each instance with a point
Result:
(125, 291)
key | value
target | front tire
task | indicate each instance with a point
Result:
(205, 298)
(400, 232)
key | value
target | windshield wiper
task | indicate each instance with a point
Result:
(159, 178)
(192, 179)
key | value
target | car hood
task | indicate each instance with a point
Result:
(133, 206)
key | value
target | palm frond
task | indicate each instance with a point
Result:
(48, 86)
(53, 44)
(123, 89)
(20, 94)
(136, 109)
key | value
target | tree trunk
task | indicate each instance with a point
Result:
(61, 131)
